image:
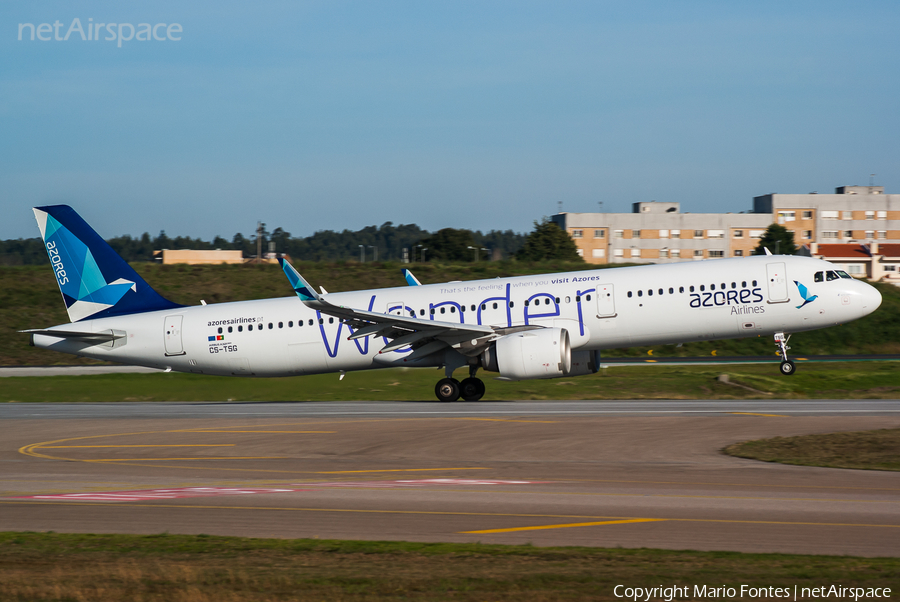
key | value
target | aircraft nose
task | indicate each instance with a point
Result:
(871, 298)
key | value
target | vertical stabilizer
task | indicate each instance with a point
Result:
(94, 281)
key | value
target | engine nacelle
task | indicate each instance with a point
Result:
(584, 362)
(539, 353)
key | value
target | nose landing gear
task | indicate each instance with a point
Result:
(787, 366)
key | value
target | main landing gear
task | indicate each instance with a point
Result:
(787, 366)
(470, 389)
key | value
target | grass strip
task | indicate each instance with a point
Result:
(44, 567)
(833, 380)
(866, 450)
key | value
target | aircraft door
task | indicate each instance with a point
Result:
(172, 331)
(395, 308)
(777, 283)
(606, 301)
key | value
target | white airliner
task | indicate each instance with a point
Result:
(525, 327)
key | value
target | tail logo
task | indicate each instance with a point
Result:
(804, 292)
(83, 286)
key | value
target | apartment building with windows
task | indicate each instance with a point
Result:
(853, 214)
(659, 233)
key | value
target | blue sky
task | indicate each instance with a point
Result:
(482, 115)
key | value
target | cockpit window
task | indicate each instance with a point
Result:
(844, 274)
(820, 277)
(830, 275)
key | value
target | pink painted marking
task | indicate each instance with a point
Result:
(151, 494)
(413, 483)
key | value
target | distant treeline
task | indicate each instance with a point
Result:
(325, 245)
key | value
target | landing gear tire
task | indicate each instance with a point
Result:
(787, 368)
(471, 389)
(447, 389)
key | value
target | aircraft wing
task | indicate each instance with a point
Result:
(424, 336)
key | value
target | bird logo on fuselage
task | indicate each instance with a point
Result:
(804, 292)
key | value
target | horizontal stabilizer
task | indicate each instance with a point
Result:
(92, 337)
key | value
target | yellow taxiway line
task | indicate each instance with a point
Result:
(566, 526)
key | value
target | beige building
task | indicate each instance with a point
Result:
(659, 232)
(168, 256)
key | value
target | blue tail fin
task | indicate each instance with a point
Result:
(94, 281)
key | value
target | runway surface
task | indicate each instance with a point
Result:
(618, 473)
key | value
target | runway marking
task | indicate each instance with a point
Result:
(155, 494)
(395, 470)
(726, 484)
(566, 526)
(508, 420)
(290, 432)
(439, 513)
(167, 445)
(755, 414)
(180, 459)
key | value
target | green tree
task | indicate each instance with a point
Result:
(449, 244)
(778, 239)
(548, 241)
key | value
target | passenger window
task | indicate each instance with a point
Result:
(299, 323)
(712, 287)
(321, 321)
(526, 302)
(311, 322)
(473, 308)
(483, 306)
(432, 311)
(495, 306)
(331, 320)
(443, 309)
(723, 286)
(547, 301)
(702, 287)
(281, 325)
(588, 297)
(734, 285)
(661, 291)
(671, 291)
(819, 277)
(270, 325)
(290, 324)
(680, 289)
(557, 299)
(259, 326)
(229, 329)
(649, 292)
(512, 303)
(577, 298)
(754, 283)
(692, 288)
(640, 293)
(240, 329)
(744, 284)
(830, 275)
(220, 330)
(421, 312)
(629, 294)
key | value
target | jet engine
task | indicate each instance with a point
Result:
(539, 353)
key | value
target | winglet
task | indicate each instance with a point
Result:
(410, 279)
(303, 290)
(766, 249)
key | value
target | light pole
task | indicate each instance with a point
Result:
(488, 252)
(476, 252)
(423, 255)
(374, 252)
(362, 253)
(414, 253)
